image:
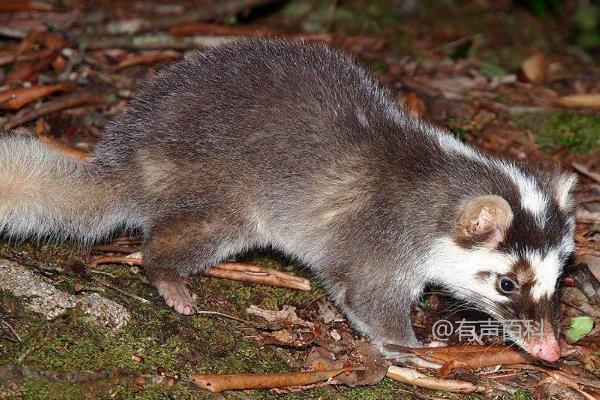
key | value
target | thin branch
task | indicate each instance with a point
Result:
(53, 106)
(583, 170)
(219, 383)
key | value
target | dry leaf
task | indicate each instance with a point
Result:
(535, 67)
(287, 315)
(588, 100)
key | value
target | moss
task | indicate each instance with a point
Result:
(572, 132)
(42, 390)
(69, 346)
(520, 395)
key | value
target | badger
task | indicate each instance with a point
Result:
(295, 147)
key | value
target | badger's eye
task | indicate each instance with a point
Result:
(507, 285)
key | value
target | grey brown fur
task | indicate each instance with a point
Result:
(267, 143)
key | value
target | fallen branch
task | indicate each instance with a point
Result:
(254, 274)
(159, 41)
(15, 6)
(123, 292)
(233, 271)
(219, 383)
(562, 376)
(415, 378)
(148, 58)
(472, 357)
(64, 148)
(14, 99)
(587, 100)
(59, 104)
(116, 260)
(195, 28)
(583, 170)
(587, 217)
(208, 12)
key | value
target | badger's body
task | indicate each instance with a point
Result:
(267, 143)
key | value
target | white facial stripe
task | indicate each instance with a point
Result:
(456, 267)
(546, 270)
(532, 198)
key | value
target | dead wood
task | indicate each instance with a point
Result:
(471, 357)
(219, 383)
(415, 378)
(159, 41)
(234, 271)
(587, 100)
(583, 170)
(148, 58)
(64, 148)
(254, 274)
(14, 99)
(59, 104)
(216, 10)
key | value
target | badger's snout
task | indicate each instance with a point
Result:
(544, 346)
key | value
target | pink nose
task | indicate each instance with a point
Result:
(547, 349)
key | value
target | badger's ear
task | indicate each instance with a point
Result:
(563, 184)
(484, 220)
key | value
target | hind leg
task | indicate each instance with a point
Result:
(179, 247)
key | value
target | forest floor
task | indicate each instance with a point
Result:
(522, 82)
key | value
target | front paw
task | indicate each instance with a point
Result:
(177, 296)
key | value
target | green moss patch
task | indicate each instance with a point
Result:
(568, 132)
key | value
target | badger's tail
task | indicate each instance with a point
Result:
(46, 194)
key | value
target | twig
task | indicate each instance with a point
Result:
(14, 99)
(209, 12)
(64, 148)
(219, 383)
(116, 289)
(152, 57)
(583, 170)
(10, 328)
(158, 41)
(93, 271)
(585, 100)
(587, 217)
(412, 377)
(472, 356)
(219, 314)
(116, 260)
(59, 104)
(233, 271)
(254, 274)
(116, 248)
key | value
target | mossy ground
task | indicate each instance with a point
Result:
(55, 357)
(563, 132)
(70, 358)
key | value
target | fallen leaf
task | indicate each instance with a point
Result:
(588, 100)
(535, 67)
(328, 313)
(578, 328)
(287, 315)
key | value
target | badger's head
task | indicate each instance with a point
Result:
(507, 252)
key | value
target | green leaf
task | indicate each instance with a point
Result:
(578, 328)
